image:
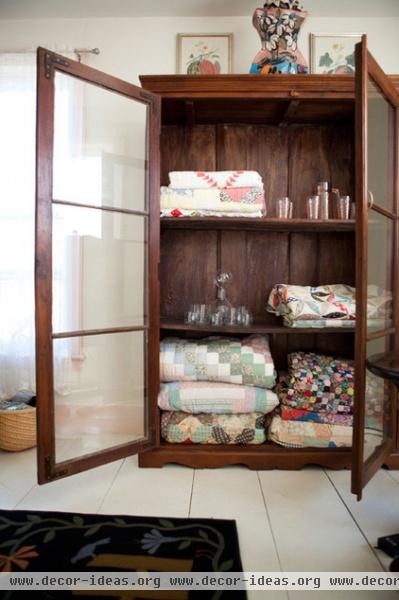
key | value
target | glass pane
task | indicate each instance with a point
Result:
(377, 402)
(380, 147)
(379, 271)
(100, 148)
(99, 269)
(99, 398)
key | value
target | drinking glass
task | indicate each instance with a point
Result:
(188, 317)
(203, 314)
(313, 203)
(283, 208)
(217, 318)
(343, 207)
(232, 317)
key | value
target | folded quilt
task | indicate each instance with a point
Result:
(213, 397)
(318, 383)
(305, 323)
(181, 212)
(244, 362)
(300, 414)
(300, 434)
(226, 200)
(217, 179)
(336, 301)
(180, 428)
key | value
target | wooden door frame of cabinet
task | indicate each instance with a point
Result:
(47, 65)
(366, 67)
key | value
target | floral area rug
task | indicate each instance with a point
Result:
(57, 541)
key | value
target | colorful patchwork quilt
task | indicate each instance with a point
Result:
(304, 434)
(216, 199)
(316, 323)
(243, 362)
(242, 429)
(336, 302)
(212, 397)
(318, 383)
(322, 416)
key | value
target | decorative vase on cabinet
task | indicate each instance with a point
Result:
(278, 24)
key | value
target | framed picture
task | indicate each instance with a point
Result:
(333, 53)
(204, 54)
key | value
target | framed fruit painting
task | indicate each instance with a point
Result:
(204, 54)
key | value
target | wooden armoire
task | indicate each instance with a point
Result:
(295, 130)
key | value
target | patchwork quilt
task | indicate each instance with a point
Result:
(179, 427)
(216, 199)
(303, 434)
(336, 302)
(316, 382)
(213, 397)
(243, 362)
(322, 416)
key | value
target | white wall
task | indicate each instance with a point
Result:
(134, 46)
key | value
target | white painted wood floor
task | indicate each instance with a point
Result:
(287, 520)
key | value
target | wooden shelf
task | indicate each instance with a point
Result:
(262, 224)
(167, 324)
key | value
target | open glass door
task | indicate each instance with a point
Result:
(376, 279)
(96, 279)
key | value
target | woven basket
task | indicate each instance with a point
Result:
(18, 429)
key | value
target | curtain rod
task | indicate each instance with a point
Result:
(77, 51)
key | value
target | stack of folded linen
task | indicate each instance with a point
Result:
(216, 390)
(316, 402)
(327, 305)
(213, 193)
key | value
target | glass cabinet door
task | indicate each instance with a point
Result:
(376, 281)
(96, 275)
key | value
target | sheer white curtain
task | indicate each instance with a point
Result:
(17, 210)
(17, 206)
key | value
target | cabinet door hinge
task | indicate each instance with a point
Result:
(49, 60)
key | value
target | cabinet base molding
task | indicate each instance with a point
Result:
(266, 456)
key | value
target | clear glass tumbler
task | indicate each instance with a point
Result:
(312, 205)
(283, 208)
(343, 207)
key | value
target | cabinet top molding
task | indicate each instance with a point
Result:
(302, 86)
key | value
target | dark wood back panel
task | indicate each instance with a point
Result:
(188, 267)
(187, 149)
(336, 258)
(256, 261)
(304, 259)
